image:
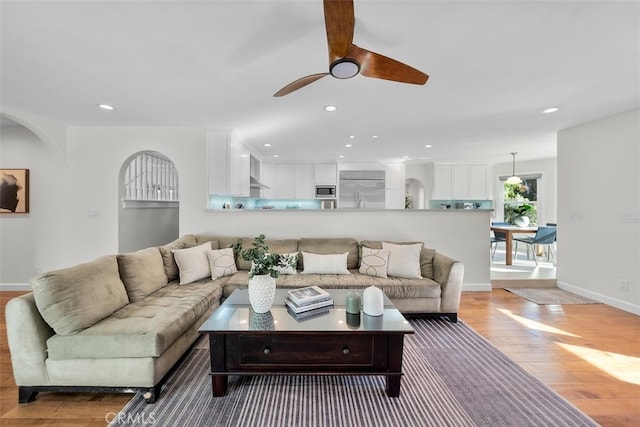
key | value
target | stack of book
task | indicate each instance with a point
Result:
(307, 302)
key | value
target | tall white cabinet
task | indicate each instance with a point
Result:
(229, 164)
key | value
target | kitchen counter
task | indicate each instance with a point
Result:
(347, 210)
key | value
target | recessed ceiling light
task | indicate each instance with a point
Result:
(550, 110)
(374, 136)
(341, 156)
(330, 108)
(406, 157)
(352, 137)
(348, 145)
(106, 107)
(267, 145)
(428, 146)
(276, 155)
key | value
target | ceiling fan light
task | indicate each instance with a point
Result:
(344, 68)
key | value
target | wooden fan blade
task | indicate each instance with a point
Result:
(380, 67)
(340, 21)
(302, 82)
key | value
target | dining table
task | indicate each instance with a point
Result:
(509, 231)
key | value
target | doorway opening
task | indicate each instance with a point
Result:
(149, 211)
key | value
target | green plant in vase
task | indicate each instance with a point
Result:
(263, 273)
(262, 262)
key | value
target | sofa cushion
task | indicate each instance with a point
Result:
(393, 287)
(170, 266)
(142, 272)
(374, 262)
(276, 246)
(146, 328)
(325, 263)
(221, 262)
(193, 263)
(426, 255)
(74, 298)
(404, 260)
(328, 245)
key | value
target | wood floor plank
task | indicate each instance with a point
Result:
(590, 354)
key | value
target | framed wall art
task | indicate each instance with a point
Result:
(14, 191)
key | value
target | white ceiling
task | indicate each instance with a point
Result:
(493, 66)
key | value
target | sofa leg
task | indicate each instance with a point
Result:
(26, 394)
(453, 317)
(151, 394)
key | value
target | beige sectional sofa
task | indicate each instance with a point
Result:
(121, 322)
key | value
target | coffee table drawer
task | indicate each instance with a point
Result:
(303, 350)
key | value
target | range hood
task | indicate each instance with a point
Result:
(254, 183)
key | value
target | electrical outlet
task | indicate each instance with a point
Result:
(93, 213)
(623, 284)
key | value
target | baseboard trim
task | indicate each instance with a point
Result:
(15, 287)
(476, 287)
(613, 302)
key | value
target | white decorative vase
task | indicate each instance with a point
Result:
(262, 291)
(521, 221)
(373, 301)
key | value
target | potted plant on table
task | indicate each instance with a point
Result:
(263, 273)
(520, 215)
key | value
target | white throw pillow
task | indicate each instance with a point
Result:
(404, 260)
(374, 262)
(192, 263)
(325, 264)
(222, 262)
(287, 263)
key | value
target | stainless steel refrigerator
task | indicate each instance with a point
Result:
(361, 190)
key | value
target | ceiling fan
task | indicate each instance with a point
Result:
(347, 60)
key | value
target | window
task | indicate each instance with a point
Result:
(151, 177)
(521, 199)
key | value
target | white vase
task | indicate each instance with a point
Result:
(373, 301)
(521, 221)
(262, 291)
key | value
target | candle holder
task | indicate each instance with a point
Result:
(353, 303)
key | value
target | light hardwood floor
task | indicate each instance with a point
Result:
(590, 354)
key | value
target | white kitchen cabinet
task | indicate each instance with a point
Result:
(479, 182)
(394, 174)
(326, 174)
(443, 182)
(228, 162)
(285, 176)
(268, 178)
(304, 185)
(460, 182)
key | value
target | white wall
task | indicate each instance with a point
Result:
(20, 254)
(599, 209)
(548, 200)
(65, 186)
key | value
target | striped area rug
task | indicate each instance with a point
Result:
(453, 377)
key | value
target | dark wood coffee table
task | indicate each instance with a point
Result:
(334, 343)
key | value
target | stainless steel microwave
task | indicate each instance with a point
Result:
(325, 191)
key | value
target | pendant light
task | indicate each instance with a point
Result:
(513, 179)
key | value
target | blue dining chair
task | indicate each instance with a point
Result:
(498, 236)
(545, 236)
